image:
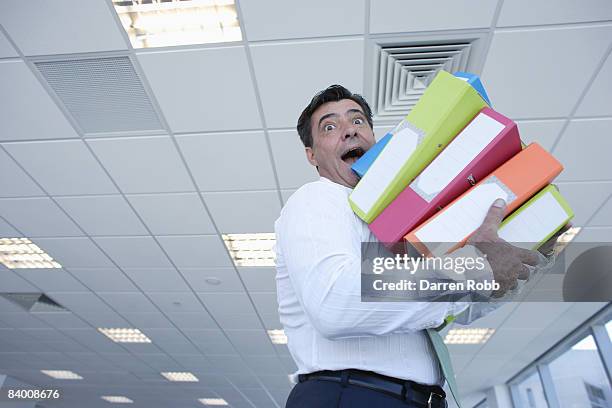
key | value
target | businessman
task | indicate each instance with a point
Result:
(351, 353)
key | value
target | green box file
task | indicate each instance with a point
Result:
(536, 221)
(445, 108)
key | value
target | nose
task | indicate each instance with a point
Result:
(350, 131)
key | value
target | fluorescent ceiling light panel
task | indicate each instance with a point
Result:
(125, 335)
(157, 23)
(117, 399)
(62, 374)
(251, 249)
(468, 336)
(19, 253)
(213, 401)
(180, 376)
(277, 336)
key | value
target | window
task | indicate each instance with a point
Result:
(530, 392)
(579, 377)
(572, 373)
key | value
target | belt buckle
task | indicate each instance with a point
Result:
(440, 397)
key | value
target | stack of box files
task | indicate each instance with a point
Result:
(432, 179)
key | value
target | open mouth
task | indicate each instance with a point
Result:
(352, 155)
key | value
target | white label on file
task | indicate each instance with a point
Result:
(458, 154)
(385, 168)
(535, 222)
(463, 217)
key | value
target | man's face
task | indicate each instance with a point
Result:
(340, 135)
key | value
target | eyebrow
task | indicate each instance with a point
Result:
(329, 115)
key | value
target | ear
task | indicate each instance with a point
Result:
(310, 156)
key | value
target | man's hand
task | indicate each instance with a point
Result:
(507, 261)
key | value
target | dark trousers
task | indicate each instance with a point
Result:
(328, 394)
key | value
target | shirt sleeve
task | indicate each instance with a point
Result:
(321, 245)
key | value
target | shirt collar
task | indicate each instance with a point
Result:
(326, 180)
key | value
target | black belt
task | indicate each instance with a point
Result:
(430, 396)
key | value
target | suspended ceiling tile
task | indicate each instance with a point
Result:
(598, 100)
(10, 281)
(203, 90)
(7, 231)
(103, 215)
(173, 214)
(63, 167)
(197, 251)
(251, 342)
(49, 280)
(530, 315)
(286, 194)
(77, 252)
(523, 74)
(22, 320)
(213, 279)
(78, 302)
(604, 215)
(583, 150)
(6, 49)
(104, 279)
(318, 18)
(189, 320)
(157, 279)
(228, 161)
(65, 320)
(242, 212)
(14, 181)
(128, 302)
(85, 26)
(390, 16)
(38, 217)
(210, 341)
(22, 98)
(258, 279)
(134, 252)
(322, 63)
(290, 159)
(143, 164)
(543, 132)
(585, 198)
(524, 12)
(148, 320)
(219, 304)
(590, 234)
(265, 302)
(178, 303)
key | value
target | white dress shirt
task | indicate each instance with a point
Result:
(318, 260)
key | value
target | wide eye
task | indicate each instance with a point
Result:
(358, 121)
(329, 127)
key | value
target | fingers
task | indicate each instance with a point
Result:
(528, 257)
(495, 215)
(523, 273)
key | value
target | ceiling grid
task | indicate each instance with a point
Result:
(272, 36)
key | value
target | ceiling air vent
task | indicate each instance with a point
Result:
(403, 69)
(34, 302)
(104, 95)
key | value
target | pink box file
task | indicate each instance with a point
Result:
(487, 142)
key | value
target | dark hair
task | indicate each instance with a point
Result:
(333, 93)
